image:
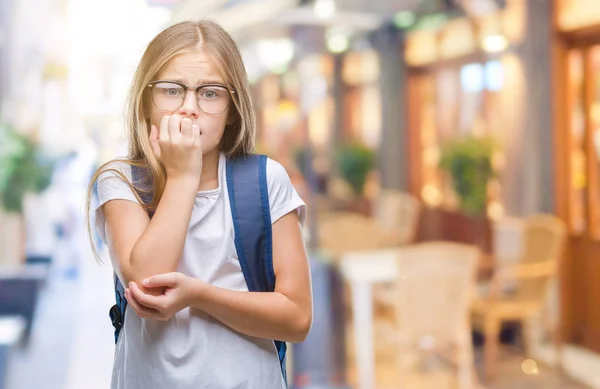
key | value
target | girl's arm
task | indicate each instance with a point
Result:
(141, 247)
(285, 314)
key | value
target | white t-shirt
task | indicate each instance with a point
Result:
(194, 350)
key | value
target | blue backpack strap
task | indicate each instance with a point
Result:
(117, 311)
(249, 202)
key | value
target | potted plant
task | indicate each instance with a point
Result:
(24, 169)
(355, 161)
(468, 163)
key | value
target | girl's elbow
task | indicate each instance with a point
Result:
(301, 329)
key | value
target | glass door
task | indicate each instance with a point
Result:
(583, 96)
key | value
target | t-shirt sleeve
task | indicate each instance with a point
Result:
(111, 186)
(283, 197)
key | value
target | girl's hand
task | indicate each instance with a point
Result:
(175, 297)
(178, 146)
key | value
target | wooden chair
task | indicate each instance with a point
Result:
(432, 297)
(544, 237)
(342, 232)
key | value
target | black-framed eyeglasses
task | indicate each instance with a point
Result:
(170, 95)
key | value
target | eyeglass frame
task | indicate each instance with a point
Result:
(196, 89)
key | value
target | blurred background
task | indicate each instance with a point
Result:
(448, 151)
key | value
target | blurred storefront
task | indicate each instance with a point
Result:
(577, 151)
(467, 77)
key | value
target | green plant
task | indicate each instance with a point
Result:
(24, 168)
(468, 162)
(355, 161)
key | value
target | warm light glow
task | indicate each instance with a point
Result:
(495, 43)
(431, 156)
(529, 367)
(431, 195)
(495, 210)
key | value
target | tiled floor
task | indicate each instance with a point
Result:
(510, 376)
(72, 343)
(42, 363)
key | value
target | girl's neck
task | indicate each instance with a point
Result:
(210, 171)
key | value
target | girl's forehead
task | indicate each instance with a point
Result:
(192, 66)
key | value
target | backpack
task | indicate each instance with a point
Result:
(246, 178)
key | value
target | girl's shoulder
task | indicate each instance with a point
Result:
(276, 172)
(116, 168)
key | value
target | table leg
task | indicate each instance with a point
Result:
(363, 334)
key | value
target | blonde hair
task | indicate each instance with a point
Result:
(238, 137)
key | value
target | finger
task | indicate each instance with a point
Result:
(186, 130)
(169, 280)
(197, 137)
(144, 299)
(175, 126)
(146, 313)
(163, 135)
(154, 141)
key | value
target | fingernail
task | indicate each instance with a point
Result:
(146, 282)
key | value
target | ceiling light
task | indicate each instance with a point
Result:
(338, 43)
(324, 9)
(494, 43)
(275, 54)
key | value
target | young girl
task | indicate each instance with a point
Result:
(190, 320)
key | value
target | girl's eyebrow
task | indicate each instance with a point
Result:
(174, 79)
(206, 82)
(200, 82)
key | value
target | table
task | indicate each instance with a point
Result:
(362, 270)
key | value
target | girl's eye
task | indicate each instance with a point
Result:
(209, 94)
(169, 89)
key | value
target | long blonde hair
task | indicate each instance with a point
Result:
(238, 137)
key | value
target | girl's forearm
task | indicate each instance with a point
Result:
(269, 315)
(160, 247)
